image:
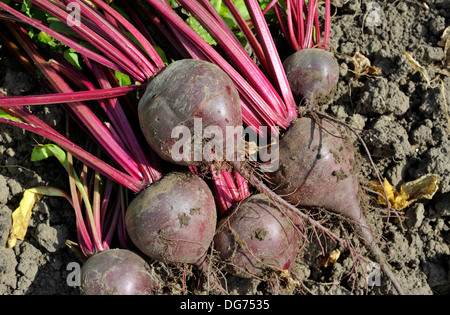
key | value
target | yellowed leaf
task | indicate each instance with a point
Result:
(21, 216)
(95, 6)
(422, 4)
(417, 67)
(362, 66)
(424, 187)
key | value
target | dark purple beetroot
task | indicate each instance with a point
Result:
(188, 89)
(174, 219)
(317, 168)
(257, 237)
(116, 272)
(312, 73)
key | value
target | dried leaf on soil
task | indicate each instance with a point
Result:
(445, 42)
(418, 67)
(95, 6)
(422, 4)
(424, 187)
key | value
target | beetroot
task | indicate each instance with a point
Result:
(257, 237)
(317, 168)
(186, 93)
(116, 272)
(312, 73)
(174, 219)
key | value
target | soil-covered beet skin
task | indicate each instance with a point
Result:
(174, 219)
(116, 272)
(188, 89)
(257, 237)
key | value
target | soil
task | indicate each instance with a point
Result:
(406, 121)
